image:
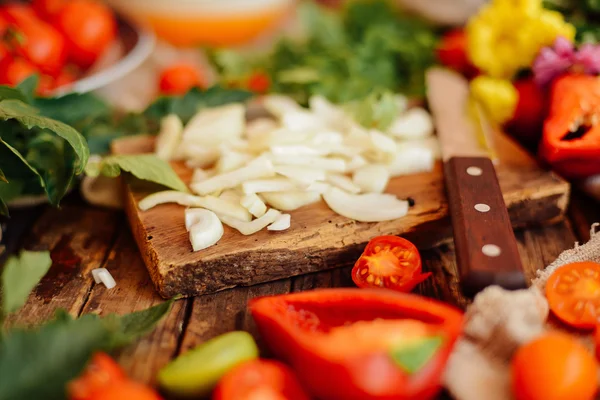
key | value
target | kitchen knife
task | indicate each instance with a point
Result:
(486, 248)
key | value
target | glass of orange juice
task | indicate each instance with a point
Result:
(207, 22)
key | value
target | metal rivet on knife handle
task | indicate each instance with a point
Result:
(482, 207)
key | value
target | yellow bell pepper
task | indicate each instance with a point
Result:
(498, 97)
(506, 35)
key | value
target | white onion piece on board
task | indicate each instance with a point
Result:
(213, 126)
(356, 162)
(101, 275)
(278, 105)
(343, 182)
(260, 126)
(169, 196)
(289, 201)
(372, 178)
(225, 207)
(383, 146)
(169, 137)
(370, 207)
(416, 123)
(411, 160)
(205, 228)
(255, 169)
(249, 228)
(231, 160)
(327, 164)
(269, 185)
(303, 175)
(319, 187)
(254, 205)
(298, 150)
(282, 223)
(200, 175)
(231, 195)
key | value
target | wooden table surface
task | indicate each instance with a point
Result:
(82, 238)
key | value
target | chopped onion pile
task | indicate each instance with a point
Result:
(246, 173)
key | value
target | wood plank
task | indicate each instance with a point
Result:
(319, 239)
(583, 212)
(79, 239)
(134, 292)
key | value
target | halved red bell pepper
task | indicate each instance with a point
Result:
(361, 343)
(571, 138)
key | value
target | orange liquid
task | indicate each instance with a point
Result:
(215, 30)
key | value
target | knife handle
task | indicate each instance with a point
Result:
(485, 244)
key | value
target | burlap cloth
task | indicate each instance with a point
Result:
(498, 322)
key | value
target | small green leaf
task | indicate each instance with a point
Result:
(7, 92)
(21, 274)
(147, 167)
(3, 209)
(411, 357)
(28, 87)
(2, 177)
(137, 324)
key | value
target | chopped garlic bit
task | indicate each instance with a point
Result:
(101, 275)
(282, 223)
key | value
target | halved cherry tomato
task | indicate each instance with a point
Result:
(179, 78)
(49, 8)
(101, 372)
(125, 390)
(260, 380)
(554, 367)
(89, 27)
(259, 82)
(391, 262)
(573, 293)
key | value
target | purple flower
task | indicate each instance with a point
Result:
(562, 57)
(553, 61)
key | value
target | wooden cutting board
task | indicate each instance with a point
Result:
(319, 239)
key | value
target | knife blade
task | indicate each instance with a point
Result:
(485, 244)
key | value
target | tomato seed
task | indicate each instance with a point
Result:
(364, 271)
(393, 279)
(370, 278)
(568, 278)
(377, 249)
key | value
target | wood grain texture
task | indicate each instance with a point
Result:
(319, 239)
(474, 229)
(79, 239)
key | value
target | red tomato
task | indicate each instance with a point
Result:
(452, 52)
(390, 262)
(259, 82)
(260, 380)
(19, 13)
(15, 70)
(532, 108)
(125, 390)
(597, 342)
(101, 372)
(49, 8)
(179, 78)
(89, 28)
(64, 78)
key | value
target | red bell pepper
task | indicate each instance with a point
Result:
(452, 53)
(260, 380)
(361, 343)
(571, 137)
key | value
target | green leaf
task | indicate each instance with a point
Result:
(2, 177)
(27, 116)
(16, 168)
(147, 167)
(19, 277)
(7, 92)
(3, 209)
(73, 109)
(377, 110)
(137, 324)
(28, 87)
(411, 357)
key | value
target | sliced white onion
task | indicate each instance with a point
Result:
(169, 196)
(169, 136)
(198, 156)
(256, 169)
(101, 275)
(278, 105)
(298, 150)
(260, 126)
(356, 162)
(102, 191)
(343, 182)
(327, 138)
(254, 205)
(303, 175)
(416, 123)
(269, 185)
(206, 230)
(231, 195)
(200, 175)
(383, 146)
(431, 143)
(289, 201)
(327, 164)
(333, 115)
(225, 207)
(319, 187)
(249, 228)
(411, 160)
(282, 223)
(302, 120)
(231, 160)
(371, 207)
(213, 126)
(372, 178)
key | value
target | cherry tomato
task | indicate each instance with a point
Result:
(452, 52)
(89, 28)
(260, 379)
(49, 8)
(17, 13)
(597, 341)
(259, 82)
(179, 78)
(390, 262)
(554, 367)
(15, 70)
(101, 372)
(573, 293)
(125, 390)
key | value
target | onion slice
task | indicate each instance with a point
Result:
(303, 175)
(343, 182)
(249, 228)
(289, 201)
(371, 207)
(327, 164)
(102, 275)
(256, 169)
(205, 228)
(282, 223)
(372, 178)
(254, 205)
(167, 141)
(269, 185)
(169, 196)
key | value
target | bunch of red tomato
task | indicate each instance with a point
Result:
(58, 40)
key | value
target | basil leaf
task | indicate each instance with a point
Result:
(7, 92)
(73, 109)
(147, 167)
(20, 275)
(414, 356)
(140, 323)
(27, 116)
(28, 87)
(16, 167)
